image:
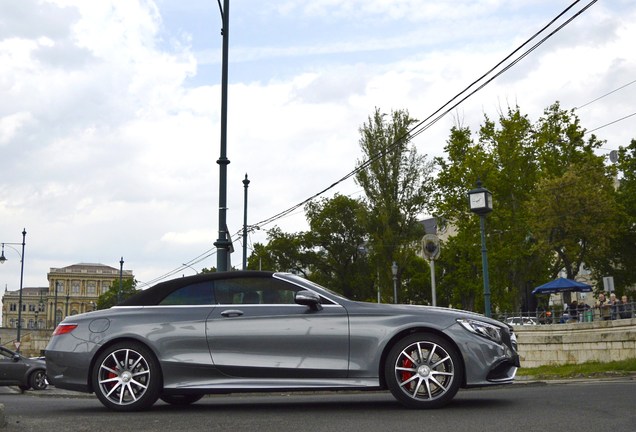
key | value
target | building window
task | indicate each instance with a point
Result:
(13, 307)
(31, 308)
(75, 287)
(90, 288)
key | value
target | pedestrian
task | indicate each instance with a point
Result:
(603, 307)
(613, 305)
(625, 308)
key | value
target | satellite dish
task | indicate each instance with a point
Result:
(614, 156)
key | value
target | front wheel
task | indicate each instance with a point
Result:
(126, 377)
(423, 371)
(38, 380)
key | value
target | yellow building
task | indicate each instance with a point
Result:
(72, 290)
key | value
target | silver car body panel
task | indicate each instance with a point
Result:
(231, 347)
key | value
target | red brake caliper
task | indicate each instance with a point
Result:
(406, 363)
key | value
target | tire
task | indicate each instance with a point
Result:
(181, 400)
(38, 380)
(24, 387)
(423, 371)
(126, 377)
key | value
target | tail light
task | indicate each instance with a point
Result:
(64, 328)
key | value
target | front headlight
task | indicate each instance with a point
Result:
(483, 329)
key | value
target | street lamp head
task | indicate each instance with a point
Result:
(2, 257)
(394, 269)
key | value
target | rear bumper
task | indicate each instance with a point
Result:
(68, 370)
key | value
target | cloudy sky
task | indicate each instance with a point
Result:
(110, 110)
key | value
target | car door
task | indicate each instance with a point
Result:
(259, 331)
(11, 371)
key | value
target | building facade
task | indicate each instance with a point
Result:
(72, 290)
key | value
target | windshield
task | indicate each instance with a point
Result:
(309, 284)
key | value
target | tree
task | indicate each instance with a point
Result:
(109, 298)
(574, 216)
(503, 159)
(397, 182)
(620, 262)
(338, 239)
(523, 164)
(283, 252)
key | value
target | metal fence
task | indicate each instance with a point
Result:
(558, 315)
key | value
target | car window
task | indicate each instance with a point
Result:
(254, 291)
(190, 295)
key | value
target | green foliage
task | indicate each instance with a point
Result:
(283, 252)
(620, 261)
(338, 239)
(554, 205)
(109, 298)
(574, 226)
(397, 183)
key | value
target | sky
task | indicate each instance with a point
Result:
(110, 110)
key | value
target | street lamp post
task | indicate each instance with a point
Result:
(394, 270)
(480, 201)
(246, 184)
(223, 243)
(2, 260)
(121, 271)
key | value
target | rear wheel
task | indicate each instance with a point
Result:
(38, 380)
(126, 377)
(181, 399)
(423, 371)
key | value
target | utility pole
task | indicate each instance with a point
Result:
(223, 243)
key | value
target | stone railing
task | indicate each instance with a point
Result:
(575, 343)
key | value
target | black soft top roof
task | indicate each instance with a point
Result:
(156, 293)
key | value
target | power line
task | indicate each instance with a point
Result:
(611, 123)
(606, 94)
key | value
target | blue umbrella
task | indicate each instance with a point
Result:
(561, 285)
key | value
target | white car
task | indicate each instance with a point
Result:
(521, 321)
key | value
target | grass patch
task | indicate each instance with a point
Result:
(583, 370)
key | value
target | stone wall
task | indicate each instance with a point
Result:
(32, 342)
(575, 343)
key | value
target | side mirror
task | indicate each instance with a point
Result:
(16, 357)
(308, 298)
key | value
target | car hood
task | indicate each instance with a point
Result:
(404, 309)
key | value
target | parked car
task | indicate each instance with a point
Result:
(16, 370)
(261, 331)
(521, 321)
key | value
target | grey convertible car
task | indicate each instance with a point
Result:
(261, 331)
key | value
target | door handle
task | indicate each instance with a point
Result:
(231, 313)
